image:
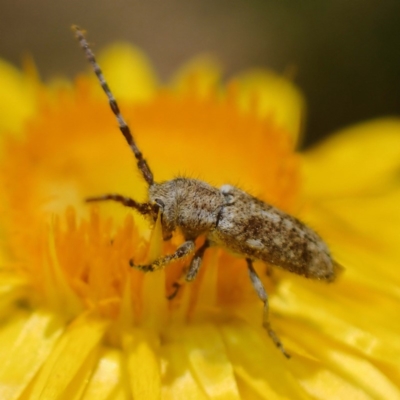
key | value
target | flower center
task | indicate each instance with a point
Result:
(73, 150)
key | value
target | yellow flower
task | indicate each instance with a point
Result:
(78, 323)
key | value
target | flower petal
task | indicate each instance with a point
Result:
(374, 218)
(275, 96)
(25, 344)
(18, 99)
(322, 383)
(209, 362)
(371, 269)
(73, 349)
(258, 364)
(355, 369)
(78, 384)
(128, 71)
(362, 159)
(107, 377)
(12, 288)
(363, 235)
(155, 303)
(201, 75)
(178, 378)
(361, 320)
(142, 363)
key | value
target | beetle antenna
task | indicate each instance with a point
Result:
(124, 128)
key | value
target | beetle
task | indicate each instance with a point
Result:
(226, 216)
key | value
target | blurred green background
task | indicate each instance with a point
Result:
(346, 53)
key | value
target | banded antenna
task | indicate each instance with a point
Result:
(124, 128)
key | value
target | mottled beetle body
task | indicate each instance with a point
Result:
(259, 231)
(243, 224)
(227, 217)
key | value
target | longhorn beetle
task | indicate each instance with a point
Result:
(227, 217)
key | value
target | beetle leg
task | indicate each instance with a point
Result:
(182, 251)
(188, 274)
(142, 208)
(262, 294)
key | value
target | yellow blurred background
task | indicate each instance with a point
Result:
(345, 53)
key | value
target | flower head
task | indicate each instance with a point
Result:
(79, 322)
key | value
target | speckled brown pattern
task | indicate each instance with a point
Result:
(231, 218)
(256, 230)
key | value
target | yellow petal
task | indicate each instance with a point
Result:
(322, 383)
(275, 96)
(155, 303)
(143, 364)
(25, 349)
(372, 269)
(361, 320)
(12, 288)
(202, 74)
(258, 364)
(179, 382)
(354, 369)
(363, 235)
(73, 349)
(362, 159)
(373, 218)
(128, 72)
(79, 383)
(209, 362)
(57, 290)
(18, 99)
(107, 377)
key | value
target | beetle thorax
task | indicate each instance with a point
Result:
(188, 204)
